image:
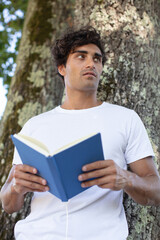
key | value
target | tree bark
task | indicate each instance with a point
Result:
(131, 77)
(131, 31)
(35, 87)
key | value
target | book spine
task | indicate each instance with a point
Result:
(58, 181)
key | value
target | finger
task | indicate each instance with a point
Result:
(108, 182)
(29, 177)
(25, 168)
(23, 186)
(93, 174)
(97, 165)
(23, 190)
(99, 181)
(110, 170)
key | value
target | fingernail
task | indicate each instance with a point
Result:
(83, 185)
(84, 168)
(80, 177)
(46, 188)
(34, 170)
(44, 182)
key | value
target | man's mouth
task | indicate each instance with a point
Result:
(90, 73)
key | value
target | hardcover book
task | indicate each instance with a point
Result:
(61, 168)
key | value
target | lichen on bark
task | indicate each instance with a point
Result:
(35, 87)
(131, 31)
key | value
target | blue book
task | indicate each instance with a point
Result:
(62, 168)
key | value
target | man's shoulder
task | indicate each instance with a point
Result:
(117, 108)
(118, 114)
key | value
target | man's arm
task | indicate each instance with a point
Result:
(142, 184)
(21, 179)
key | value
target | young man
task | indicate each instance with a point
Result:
(97, 213)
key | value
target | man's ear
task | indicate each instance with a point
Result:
(62, 70)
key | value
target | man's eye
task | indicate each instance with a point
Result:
(80, 56)
(97, 59)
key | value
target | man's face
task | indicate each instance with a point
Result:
(83, 68)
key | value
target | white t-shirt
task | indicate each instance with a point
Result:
(95, 214)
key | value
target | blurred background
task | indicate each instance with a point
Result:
(11, 22)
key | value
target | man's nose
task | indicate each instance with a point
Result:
(90, 63)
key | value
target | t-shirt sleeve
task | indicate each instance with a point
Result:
(25, 130)
(138, 143)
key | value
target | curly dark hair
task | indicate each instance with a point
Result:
(76, 38)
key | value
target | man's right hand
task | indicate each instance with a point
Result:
(25, 180)
(21, 179)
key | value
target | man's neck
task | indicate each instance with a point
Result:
(80, 102)
(76, 106)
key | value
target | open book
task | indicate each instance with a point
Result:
(61, 168)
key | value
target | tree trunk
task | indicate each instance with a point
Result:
(131, 30)
(35, 87)
(131, 77)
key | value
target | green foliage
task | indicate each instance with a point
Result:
(12, 14)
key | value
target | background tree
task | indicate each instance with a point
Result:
(11, 22)
(35, 87)
(131, 30)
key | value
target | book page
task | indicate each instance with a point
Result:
(33, 143)
(73, 143)
(40, 147)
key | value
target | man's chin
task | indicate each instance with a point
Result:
(89, 77)
(90, 87)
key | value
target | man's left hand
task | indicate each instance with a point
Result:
(105, 174)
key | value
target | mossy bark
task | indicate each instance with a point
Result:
(35, 87)
(131, 77)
